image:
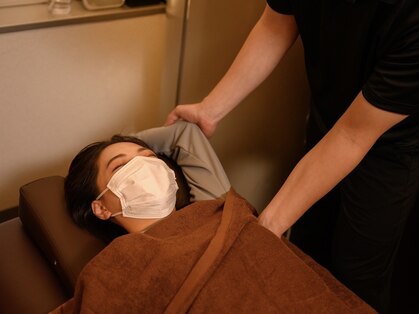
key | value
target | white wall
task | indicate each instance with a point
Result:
(64, 87)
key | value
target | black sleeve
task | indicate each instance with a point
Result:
(394, 82)
(280, 6)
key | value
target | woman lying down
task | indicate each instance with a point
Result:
(210, 256)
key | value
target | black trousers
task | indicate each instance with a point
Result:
(355, 230)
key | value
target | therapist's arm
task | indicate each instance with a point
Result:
(333, 158)
(265, 46)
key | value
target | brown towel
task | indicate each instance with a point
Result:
(211, 257)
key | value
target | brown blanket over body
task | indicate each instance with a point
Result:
(212, 257)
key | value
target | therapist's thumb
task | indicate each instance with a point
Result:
(184, 112)
(171, 118)
(192, 113)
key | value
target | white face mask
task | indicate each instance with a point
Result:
(146, 188)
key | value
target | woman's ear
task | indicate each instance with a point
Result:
(100, 210)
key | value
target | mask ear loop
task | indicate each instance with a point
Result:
(101, 194)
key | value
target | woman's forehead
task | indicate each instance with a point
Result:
(117, 149)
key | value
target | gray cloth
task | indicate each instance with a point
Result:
(186, 144)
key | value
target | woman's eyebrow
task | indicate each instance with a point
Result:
(113, 158)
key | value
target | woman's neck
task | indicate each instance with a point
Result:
(135, 225)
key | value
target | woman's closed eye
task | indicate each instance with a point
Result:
(117, 167)
(123, 162)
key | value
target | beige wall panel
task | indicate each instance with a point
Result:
(260, 141)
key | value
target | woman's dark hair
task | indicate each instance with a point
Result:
(81, 189)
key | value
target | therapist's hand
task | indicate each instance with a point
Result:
(267, 220)
(195, 113)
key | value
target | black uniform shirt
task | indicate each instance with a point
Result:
(368, 45)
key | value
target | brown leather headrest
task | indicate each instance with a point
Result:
(44, 214)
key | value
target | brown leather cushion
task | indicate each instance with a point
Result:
(44, 215)
(27, 284)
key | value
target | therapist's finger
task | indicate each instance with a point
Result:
(184, 112)
(191, 113)
(171, 118)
